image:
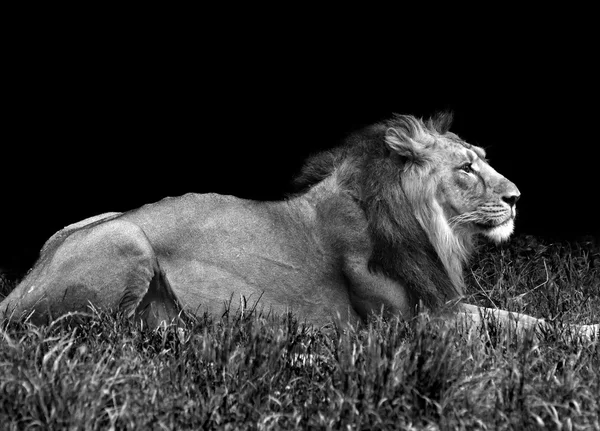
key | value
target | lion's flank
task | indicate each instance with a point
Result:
(383, 167)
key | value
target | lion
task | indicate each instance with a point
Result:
(382, 224)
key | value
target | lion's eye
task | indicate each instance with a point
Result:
(467, 167)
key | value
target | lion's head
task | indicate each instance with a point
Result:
(442, 169)
(426, 194)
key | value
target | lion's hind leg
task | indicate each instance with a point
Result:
(110, 265)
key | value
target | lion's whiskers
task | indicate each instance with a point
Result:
(464, 218)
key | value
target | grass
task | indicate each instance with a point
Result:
(104, 372)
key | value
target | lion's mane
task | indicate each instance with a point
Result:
(411, 239)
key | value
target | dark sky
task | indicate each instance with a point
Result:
(97, 124)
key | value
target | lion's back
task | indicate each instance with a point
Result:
(212, 246)
(212, 221)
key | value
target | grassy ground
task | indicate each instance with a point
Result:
(103, 373)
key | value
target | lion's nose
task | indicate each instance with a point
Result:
(509, 192)
(511, 197)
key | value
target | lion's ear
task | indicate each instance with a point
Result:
(402, 144)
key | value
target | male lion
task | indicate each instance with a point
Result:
(385, 223)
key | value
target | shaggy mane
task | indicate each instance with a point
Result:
(412, 241)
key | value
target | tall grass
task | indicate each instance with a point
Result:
(103, 372)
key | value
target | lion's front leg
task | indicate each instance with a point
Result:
(472, 317)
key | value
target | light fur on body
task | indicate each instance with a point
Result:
(384, 223)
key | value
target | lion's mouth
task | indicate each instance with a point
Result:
(492, 224)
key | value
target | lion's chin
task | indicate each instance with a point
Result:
(501, 232)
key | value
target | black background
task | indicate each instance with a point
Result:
(106, 116)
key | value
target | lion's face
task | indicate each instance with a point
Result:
(473, 197)
(472, 194)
